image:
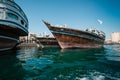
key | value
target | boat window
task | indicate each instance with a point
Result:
(86, 29)
(5, 1)
(13, 16)
(26, 26)
(93, 30)
(22, 22)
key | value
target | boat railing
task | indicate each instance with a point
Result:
(63, 26)
(96, 32)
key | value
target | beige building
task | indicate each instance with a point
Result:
(28, 39)
(115, 37)
(108, 41)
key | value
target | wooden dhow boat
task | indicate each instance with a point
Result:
(13, 23)
(73, 38)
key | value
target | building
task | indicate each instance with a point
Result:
(28, 39)
(115, 37)
(108, 41)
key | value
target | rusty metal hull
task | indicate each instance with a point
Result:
(72, 38)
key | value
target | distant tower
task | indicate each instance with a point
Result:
(115, 37)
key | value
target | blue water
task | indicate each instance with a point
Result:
(32, 63)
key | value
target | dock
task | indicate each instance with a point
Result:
(28, 45)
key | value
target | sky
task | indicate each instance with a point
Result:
(103, 15)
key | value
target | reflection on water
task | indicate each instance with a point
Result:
(26, 53)
(32, 63)
(10, 68)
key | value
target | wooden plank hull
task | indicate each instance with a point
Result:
(72, 38)
(66, 41)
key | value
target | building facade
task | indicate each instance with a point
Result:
(28, 39)
(115, 37)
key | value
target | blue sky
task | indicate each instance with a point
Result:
(78, 14)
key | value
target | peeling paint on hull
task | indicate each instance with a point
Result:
(66, 41)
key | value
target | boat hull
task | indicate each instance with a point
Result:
(7, 43)
(66, 41)
(9, 37)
